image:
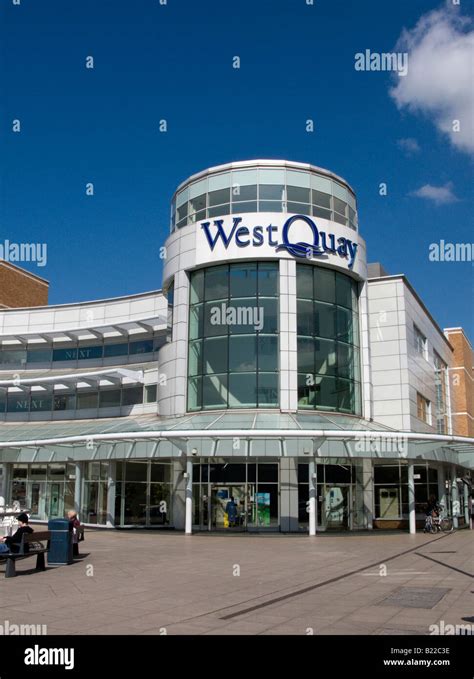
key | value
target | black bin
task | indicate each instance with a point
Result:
(60, 545)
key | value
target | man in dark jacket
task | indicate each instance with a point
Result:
(11, 543)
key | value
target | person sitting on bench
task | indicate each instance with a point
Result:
(11, 543)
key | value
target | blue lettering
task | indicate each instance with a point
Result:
(270, 230)
(242, 231)
(220, 232)
(258, 236)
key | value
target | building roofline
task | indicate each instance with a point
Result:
(461, 331)
(402, 276)
(24, 272)
(257, 162)
(50, 307)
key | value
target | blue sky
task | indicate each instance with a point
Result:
(174, 62)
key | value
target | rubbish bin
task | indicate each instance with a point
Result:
(60, 545)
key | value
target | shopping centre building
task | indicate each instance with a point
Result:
(274, 366)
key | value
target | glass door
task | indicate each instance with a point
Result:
(336, 507)
(228, 507)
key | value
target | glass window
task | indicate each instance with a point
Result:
(243, 193)
(219, 181)
(111, 350)
(240, 336)
(267, 279)
(214, 391)
(219, 197)
(215, 212)
(197, 287)
(88, 353)
(339, 206)
(132, 395)
(299, 208)
(268, 315)
(39, 356)
(150, 393)
(243, 280)
(297, 194)
(243, 208)
(182, 212)
(324, 285)
(195, 358)
(321, 183)
(196, 321)
(304, 282)
(18, 402)
(243, 353)
(86, 400)
(271, 192)
(198, 204)
(13, 357)
(243, 390)
(328, 369)
(215, 319)
(421, 345)
(267, 390)
(141, 347)
(271, 176)
(305, 317)
(41, 402)
(321, 199)
(65, 354)
(215, 355)
(344, 295)
(109, 398)
(268, 353)
(324, 320)
(325, 357)
(216, 283)
(270, 206)
(64, 401)
(305, 355)
(321, 213)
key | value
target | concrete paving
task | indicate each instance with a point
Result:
(168, 583)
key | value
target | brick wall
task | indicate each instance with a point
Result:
(461, 383)
(19, 288)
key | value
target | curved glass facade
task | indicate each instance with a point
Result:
(233, 337)
(264, 189)
(328, 340)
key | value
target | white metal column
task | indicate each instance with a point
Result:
(111, 485)
(312, 497)
(454, 497)
(411, 498)
(78, 487)
(467, 516)
(189, 497)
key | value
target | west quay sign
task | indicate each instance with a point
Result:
(285, 237)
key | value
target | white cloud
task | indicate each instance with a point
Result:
(409, 145)
(439, 79)
(440, 195)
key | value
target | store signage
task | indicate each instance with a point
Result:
(321, 244)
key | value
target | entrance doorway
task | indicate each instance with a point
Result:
(336, 507)
(235, 497)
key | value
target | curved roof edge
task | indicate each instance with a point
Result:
(257, 162)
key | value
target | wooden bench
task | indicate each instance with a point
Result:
(79, 531)
(35, 548)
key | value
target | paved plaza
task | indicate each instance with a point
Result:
(165, 582)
